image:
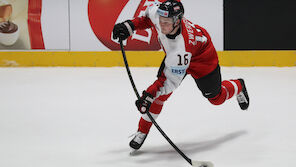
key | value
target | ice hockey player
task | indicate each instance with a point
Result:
(189, 50)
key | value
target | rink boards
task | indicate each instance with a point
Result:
(137, 58)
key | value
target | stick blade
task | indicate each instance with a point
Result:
(202, 164)
(133, 152)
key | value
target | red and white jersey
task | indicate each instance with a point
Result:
(190, 52)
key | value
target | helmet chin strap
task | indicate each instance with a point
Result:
(174, 27)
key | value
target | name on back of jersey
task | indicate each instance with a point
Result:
(192, 38)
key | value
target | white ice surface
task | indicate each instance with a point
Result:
(82, 117)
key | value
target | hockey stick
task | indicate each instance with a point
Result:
(191, 162)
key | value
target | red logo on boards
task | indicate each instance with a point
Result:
(103, 14)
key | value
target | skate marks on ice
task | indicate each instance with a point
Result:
(167, 153)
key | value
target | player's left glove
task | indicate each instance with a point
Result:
(143, 104)
(123, 30)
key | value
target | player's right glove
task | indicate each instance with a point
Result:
(143, 104)
(123, 30)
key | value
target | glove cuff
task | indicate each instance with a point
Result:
(148, 96)
(130, 26)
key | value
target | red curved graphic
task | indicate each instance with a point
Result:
(102, 17)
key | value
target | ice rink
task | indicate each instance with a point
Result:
(83, 117)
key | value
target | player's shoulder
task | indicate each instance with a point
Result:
(193, 33)
(152, 8)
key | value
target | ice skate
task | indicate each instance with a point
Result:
(243, 97)
(137, 142)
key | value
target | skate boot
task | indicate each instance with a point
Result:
(137, 141)
(243, 97)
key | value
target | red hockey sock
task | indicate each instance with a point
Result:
(145, 122)
(228, 90)
(155, 109)
(144, 126)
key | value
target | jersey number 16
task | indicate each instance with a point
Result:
(183, 60)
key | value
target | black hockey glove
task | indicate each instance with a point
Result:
(123, 30)
(144, 103)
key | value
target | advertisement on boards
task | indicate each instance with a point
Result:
(20, 27)
(104, 14)
(86, 25)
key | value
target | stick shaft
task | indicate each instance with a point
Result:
(128, 70)
(148, 113)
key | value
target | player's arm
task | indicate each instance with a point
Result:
(125, 29)
(142, 22)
